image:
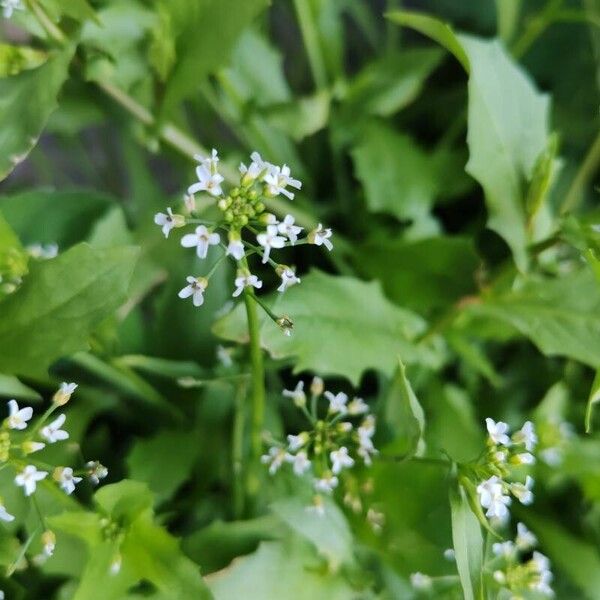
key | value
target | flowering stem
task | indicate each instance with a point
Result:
(237, 449)
(258, 390)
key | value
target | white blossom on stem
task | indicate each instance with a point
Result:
(300, 463)
(195, 288)
(492, 497)
(337, 402)
(5, 515)
(243, 281)
(270, 239)
(28, 478)
(297, 394)
(326, 484)
(18, 417)
(278, 179)
(320, 237)
(66, 479)
(202, 239)
(525, 539)
(208, 181)
(526, 436)
(288, 278)
(167, 221)
(522, 491)
(275, 458)
(340, 459)
(498, 432)
(287, 228)
(9, 7)
(52, 432)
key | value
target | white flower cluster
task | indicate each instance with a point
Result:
(332, 445)
(518, 575)
(18, 442)
(504, 452)
(248, 228)
(9, 7)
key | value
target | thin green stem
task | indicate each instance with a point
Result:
(586, 171)
(54, 32)
(310, 36)
(536, 27)
(237, 449)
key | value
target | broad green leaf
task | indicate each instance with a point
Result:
(434, 29)
(124, 501)
(279, 570)
(303, 117)
(396, 174)
(13, 259)
(577, 559)
(14, 59)
(468, 544)
(205, 33)
(26, 102)
(11, 387)
(508, 131)
(560, 316)
(422, 275)
(330, 313)
(164, 461)
(61, 301)
(331, 536)
(404, 414)
(594, 398)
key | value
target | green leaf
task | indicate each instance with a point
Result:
(331, 536)
(560, 316)
(205, 33)
(124, 501)
(577, 559)
(403, 412)
(11, 387)
(397, 176)
(61, 301)
(468, 544)
(13, 259)
(426, 275)
(26, 102)
(330, 313)
(433, 28)
(303, 117)
(14, 59)
(273, 571)
(594, 398)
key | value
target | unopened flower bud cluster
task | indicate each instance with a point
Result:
(21, 438)
(339, 436)
(245, 227)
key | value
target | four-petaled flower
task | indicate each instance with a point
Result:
(64, 393)
(53, 432)
(526, 436)
(257, 167)
(277, 180)
(208, 162)
(243, 281)
(66, 479)
(300, 463)
(287, 228)
(337, 402)
(340, 459)
(297, 394)
(28, 479)
(196, 288)
(208, 181)
(522, 491)
(275, 458)
(358, 407)
(288, 278)
(320, 237)
(235, 247)
(525, 539)
(492, 497)
(17, 418)
(201, 239)
(498, 432)
(326, 484)
(295, 442)
(168, 221)
(269, 239)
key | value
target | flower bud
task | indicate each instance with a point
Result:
(316, 386)
(63, 395)
(285, 324)
(31, 447)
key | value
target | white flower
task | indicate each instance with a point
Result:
(17, 418)
(317, 506)
(505, 549)
(5, 515)
(277, 180)
(168, 221)
(357, 407)
(30, 447)
(320, 237)
(270, 239)
(66, 479)
(28, 479)
(275, 458)
(288, 278)
(196, 288)
(526, 436)
(300, 463)
(235, 248)
(9, 6)
(257, 167)
(43, 252)
(64, 393)
(242, 281)
(497, 432)
(420, 581)
(366, 449)
(491, 496)
(208, 181)
(201, 239)
(53, 432)
(340, 459)
(553, 456)
(337, 402)
(543, 575)
(297, 394)
(287, 228)
(208, 162)
(295, 442)
(522, 492)
(326, 484)
(525, 458)
(366, 429)
(345, 427)
(450, 554)
(525, 539)
(95, 471)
